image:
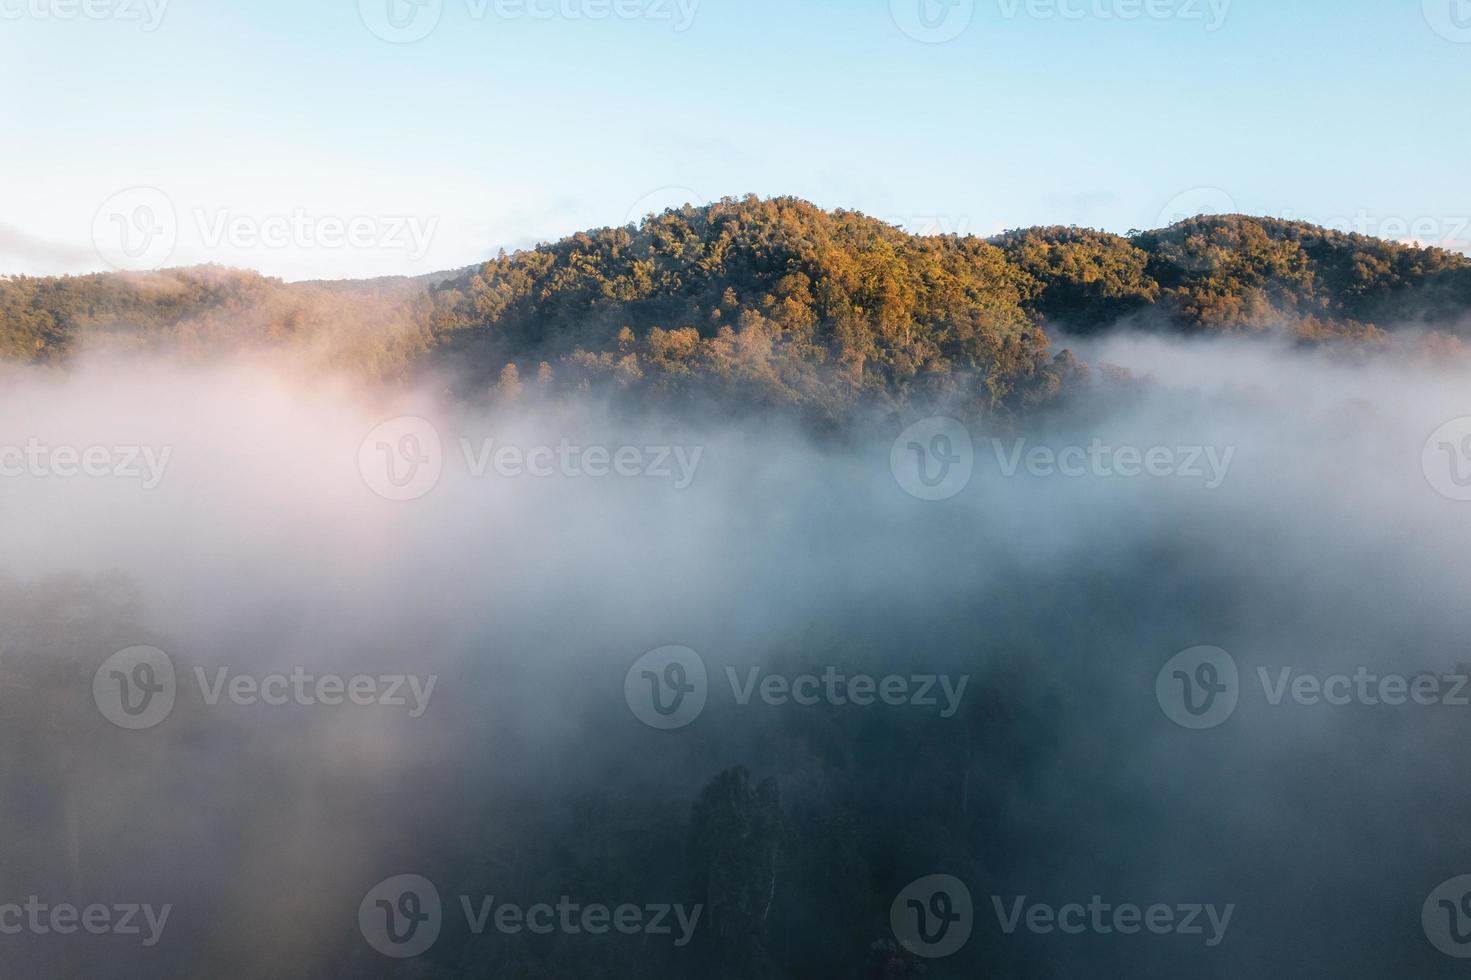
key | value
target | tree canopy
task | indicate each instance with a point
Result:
(775, 302)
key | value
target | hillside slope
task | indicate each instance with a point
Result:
(775, 302)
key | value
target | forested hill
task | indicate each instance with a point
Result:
(778, 301)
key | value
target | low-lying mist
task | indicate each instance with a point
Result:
(490, 595)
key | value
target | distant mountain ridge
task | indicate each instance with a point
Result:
(777, 301)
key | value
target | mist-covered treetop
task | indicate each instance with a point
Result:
(778, 301)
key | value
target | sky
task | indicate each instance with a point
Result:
(353, 138)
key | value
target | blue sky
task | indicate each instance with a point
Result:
(254, 126)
